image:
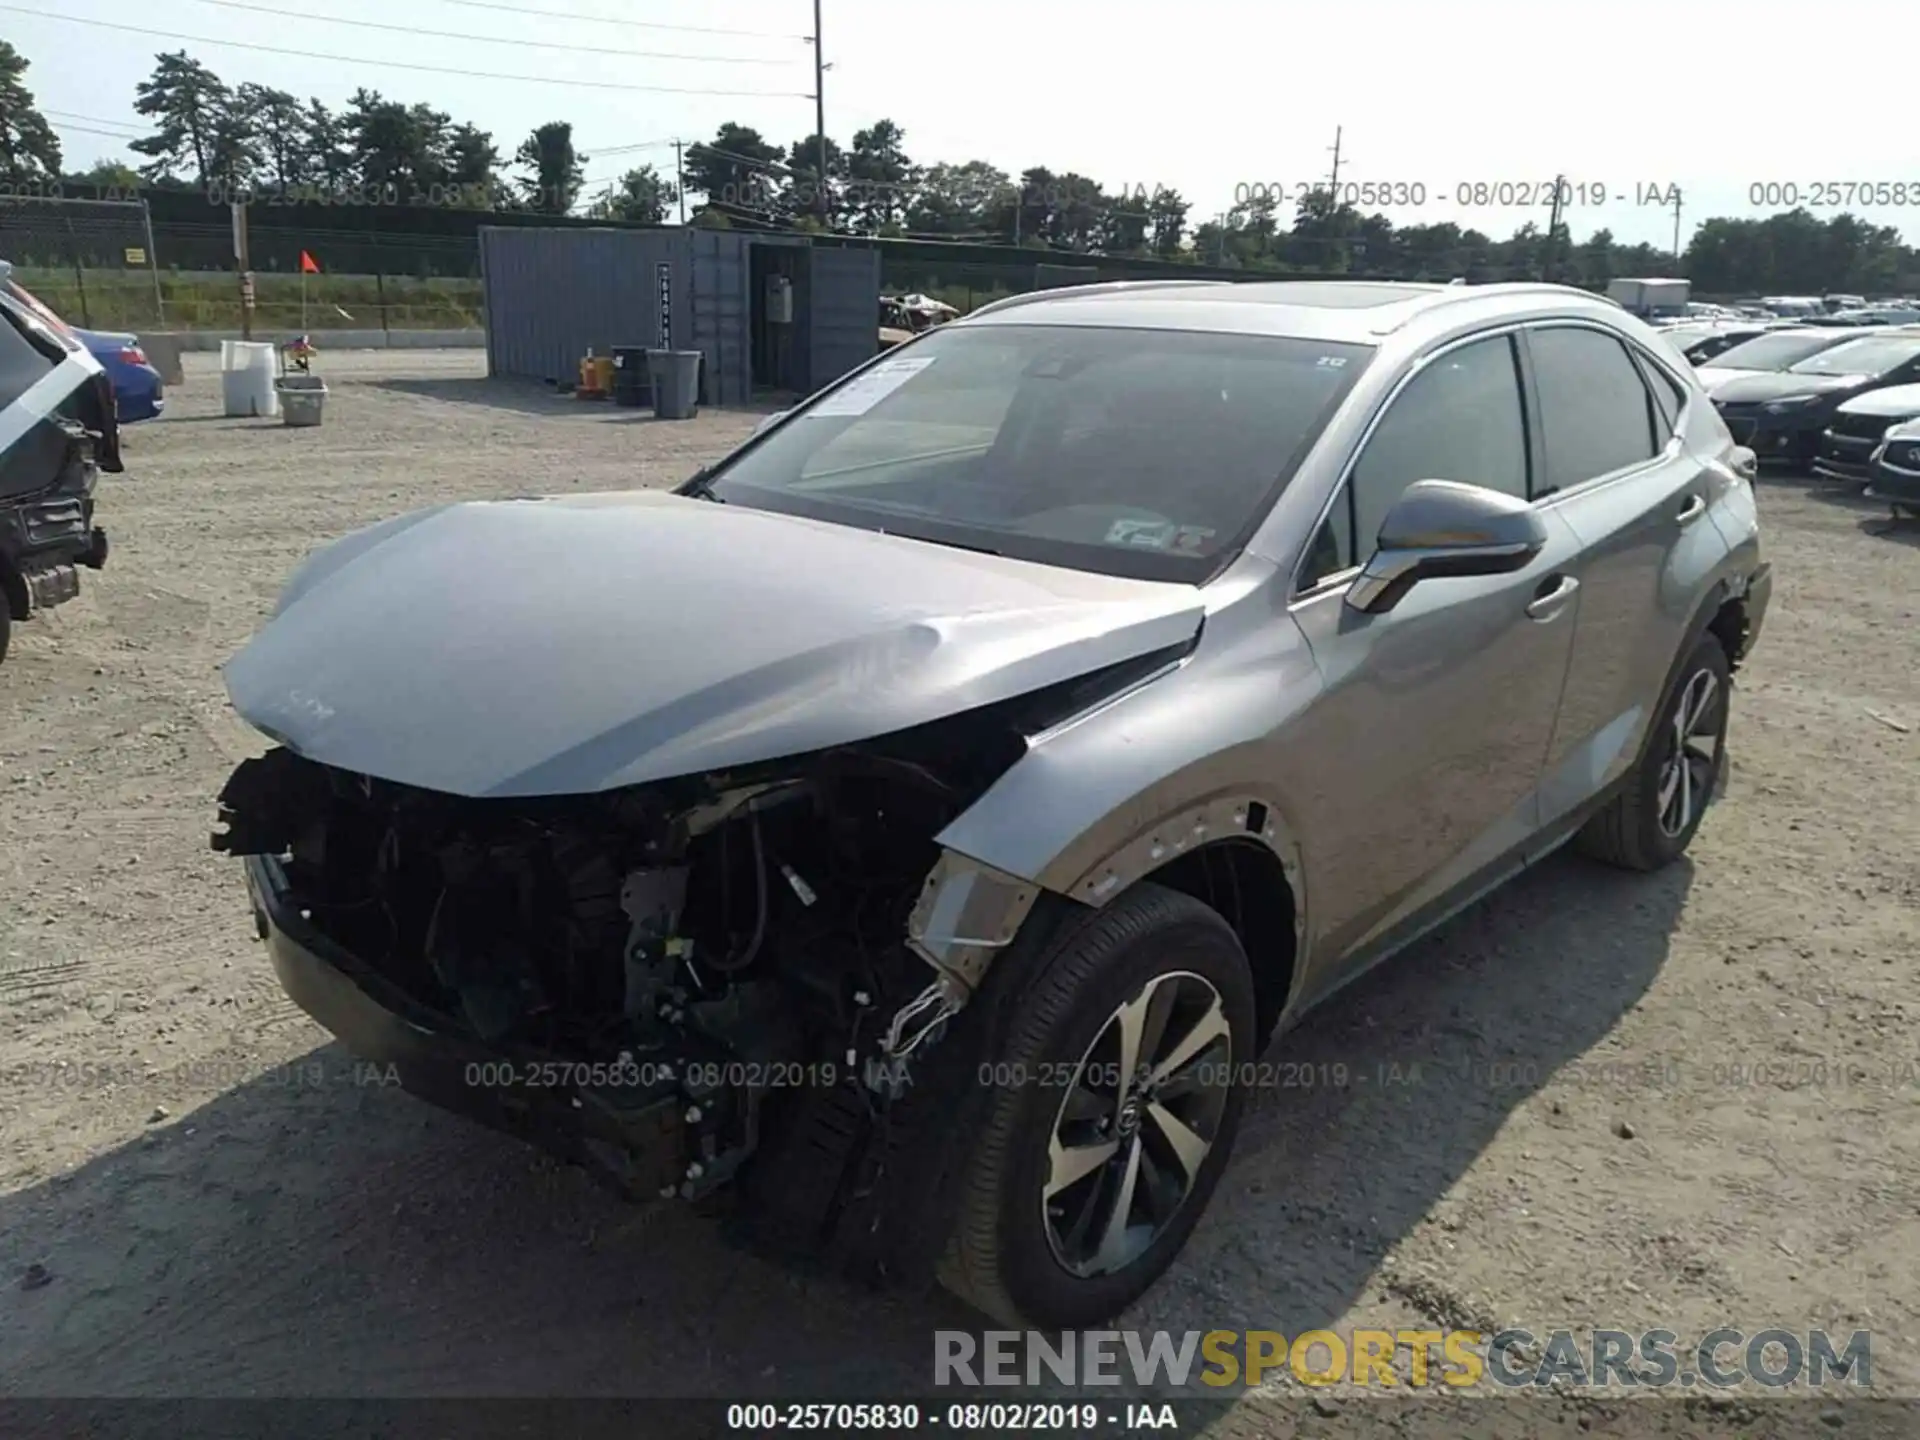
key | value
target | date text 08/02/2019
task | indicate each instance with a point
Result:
(955, 1417)
(1473, 194)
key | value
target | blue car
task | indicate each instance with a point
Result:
(137, 390)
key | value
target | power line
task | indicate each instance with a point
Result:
(406, 64)
(92, 120)
(122, 135)
(498, 39)
(621, 21)
(600, 152)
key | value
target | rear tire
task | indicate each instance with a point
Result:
(1650, 823)
(1110, 1116)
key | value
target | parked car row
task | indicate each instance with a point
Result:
(1840, 400)
(1789, 415)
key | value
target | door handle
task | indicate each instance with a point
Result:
(1552, 597)
(1695, 507)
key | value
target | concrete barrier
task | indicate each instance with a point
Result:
(324, 340)
(163, 353)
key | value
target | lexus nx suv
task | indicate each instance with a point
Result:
(901, 838)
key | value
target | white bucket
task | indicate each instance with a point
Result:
(247, 372)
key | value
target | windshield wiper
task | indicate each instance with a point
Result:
(948, 544)
(700, 487)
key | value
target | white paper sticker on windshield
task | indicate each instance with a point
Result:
(1147, 534)
(861, 394)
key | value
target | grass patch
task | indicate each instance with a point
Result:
(210, 300)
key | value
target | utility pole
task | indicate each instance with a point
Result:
(1333, 184)
(243, 267)
(1553, 231)
(820, 116)
(1676, 224)
(680, 177)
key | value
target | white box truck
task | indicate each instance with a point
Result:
(1650, 299)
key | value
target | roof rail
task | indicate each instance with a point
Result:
(1462, 294)
(1104, 287)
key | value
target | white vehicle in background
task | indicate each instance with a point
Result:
(1792, 306)
(1651, 299)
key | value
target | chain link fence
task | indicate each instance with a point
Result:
(92, 261)
(98, 264)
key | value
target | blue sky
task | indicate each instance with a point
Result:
(1207, 97)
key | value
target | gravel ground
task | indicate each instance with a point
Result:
(1686, 1101)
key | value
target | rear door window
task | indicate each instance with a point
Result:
(1596, 415)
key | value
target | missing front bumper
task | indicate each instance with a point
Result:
(629, 1135)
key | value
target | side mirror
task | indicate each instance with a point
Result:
(1439, 529)
(1745, 462)
(769, 422)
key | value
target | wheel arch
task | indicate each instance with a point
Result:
(1248, 885)
(1720, 612)
(1234, 852)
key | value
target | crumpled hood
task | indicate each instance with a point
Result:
(562, 646)
(1759, 385)
(1897, 400)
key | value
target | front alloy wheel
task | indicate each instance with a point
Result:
(1110, 1112)
(1138, 1121)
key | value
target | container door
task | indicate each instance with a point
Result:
(842, 311)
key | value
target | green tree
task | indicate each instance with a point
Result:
(642, 196)
(401, 154)
(380, 141)
(958, 200)
(329, 148)
(430, 164)
(732, 169)
(107, 179)
(552, 168)
(1595, 260)
(277, 126)
(29, 150)
(192, 111)
(797, 197)
(880, 177)
(471, 164)
(1123, 228)
(1166, 222)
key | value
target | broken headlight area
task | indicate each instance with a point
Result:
(676, 961)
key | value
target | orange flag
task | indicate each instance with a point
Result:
(308, 265)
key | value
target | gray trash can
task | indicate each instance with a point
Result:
(675, 375)
(302, 398)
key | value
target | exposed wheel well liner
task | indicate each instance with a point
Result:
(1246, 884)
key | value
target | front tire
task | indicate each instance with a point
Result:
(1112, 1113)
(1651, 822)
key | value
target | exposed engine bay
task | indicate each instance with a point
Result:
(697, 959)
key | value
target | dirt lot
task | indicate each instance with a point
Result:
(1685, 1101)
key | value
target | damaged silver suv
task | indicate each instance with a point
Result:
(900, 838)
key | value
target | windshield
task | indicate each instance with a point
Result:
(1872, 355)
(1773, 352)
(1144, 453)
